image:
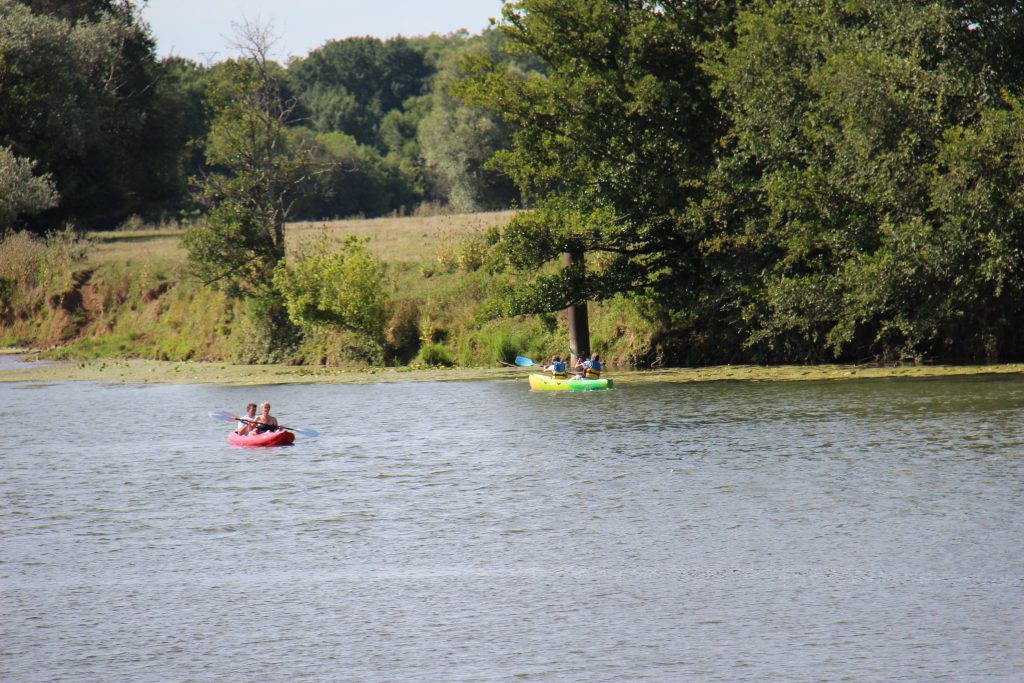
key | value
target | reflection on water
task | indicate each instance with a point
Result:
(863, 530)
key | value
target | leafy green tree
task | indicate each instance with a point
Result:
(76, 10)
(344, 289)
(350, 85)
(262, 168)
(611, 141)
(399, 134)
(954, 284)
(356, 180)
(22, 193)
(837, 112)
(181, 90)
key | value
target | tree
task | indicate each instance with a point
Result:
(954, 283)
(76, 10)
(356, 180)
(261, 166)
(611, 141)
(344, 289)
(837, 115)
(78, 98)
(21, 191)
(181, 91)
(350, 85)
(457, 141)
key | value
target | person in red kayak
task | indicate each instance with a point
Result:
(245, 426)
(265, 422)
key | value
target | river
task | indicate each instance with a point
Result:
(866, 530)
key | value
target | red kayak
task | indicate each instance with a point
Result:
(278, 438)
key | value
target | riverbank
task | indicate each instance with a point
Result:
(170, 372)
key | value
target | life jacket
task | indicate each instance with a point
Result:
(558, 369)
(592, 369)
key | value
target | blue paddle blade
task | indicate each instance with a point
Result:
(304, 431)
(222, 415)
(524, 362)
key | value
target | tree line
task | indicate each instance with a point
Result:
(764, 180)
(94, 128)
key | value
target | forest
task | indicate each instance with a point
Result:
(761, 181)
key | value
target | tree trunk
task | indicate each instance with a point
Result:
(579, 324)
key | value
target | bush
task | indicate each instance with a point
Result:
(500, 341)
(264, 334)
(344, 290)
(434, 355)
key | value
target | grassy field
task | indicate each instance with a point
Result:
(407, 239)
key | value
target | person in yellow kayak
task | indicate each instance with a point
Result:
(557, 367)
(265, 422)
(246, 426)
(590, 369)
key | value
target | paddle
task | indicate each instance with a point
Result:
(228, 417)
(525, 362)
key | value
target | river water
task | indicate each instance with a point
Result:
(865, 530)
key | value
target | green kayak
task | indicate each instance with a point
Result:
(548, 383)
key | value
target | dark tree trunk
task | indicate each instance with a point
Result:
(579, 324)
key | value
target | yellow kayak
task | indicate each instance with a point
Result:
(549, 383)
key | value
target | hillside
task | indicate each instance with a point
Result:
(128, 294)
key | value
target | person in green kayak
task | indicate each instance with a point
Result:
(590, 369)
(245, 426)
(265, 422)
(557, 367)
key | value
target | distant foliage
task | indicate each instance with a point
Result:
(22, 192)
(79, 101)
(350, 85)
(458, 140)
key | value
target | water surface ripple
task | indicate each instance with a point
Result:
(861, 531)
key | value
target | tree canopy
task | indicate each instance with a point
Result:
(79, 101)
(776, 177)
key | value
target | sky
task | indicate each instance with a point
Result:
(201, 30)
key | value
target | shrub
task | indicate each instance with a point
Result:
(343, 290)
(434, 355)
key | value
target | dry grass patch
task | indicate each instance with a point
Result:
(161, 248)
(408, 239)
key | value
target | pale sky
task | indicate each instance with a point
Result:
(201, 29)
